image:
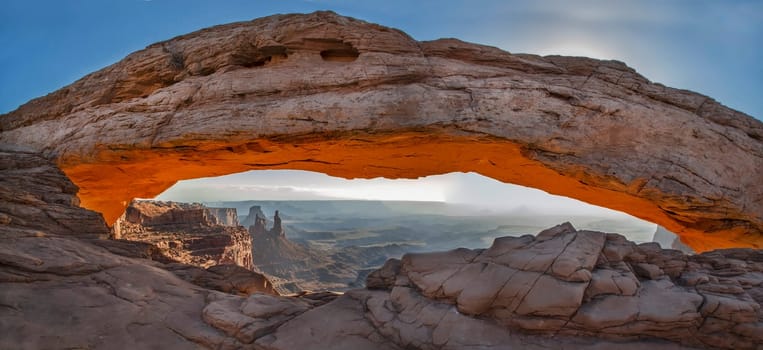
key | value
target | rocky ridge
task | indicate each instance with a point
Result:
(187, 233)
(61, 286)
(328, 93)
(581, 283)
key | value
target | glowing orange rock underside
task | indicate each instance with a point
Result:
(108, 184)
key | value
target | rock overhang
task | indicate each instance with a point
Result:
(337, 95)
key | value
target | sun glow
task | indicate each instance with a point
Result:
(470, 189)
(576, 47)
(303, 185)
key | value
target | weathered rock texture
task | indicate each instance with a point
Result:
(60, 291)
(589, 290)
(572, 282)
(36, 195)
(187, 233)
(336, 95)
(232, 279)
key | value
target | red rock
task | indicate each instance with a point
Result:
(187, 233)
(363, 94)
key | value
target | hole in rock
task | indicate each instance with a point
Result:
(258, 56)
(338, 51)
(340, 55)
(311, 231)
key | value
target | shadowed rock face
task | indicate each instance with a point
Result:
(61, 288)
(35, 196)
(590, 290)
(294, 267)
(332, 94)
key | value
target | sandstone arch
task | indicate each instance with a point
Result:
(332, 94)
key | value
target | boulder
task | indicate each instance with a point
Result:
(576, 283)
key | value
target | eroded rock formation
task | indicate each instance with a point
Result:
(225, 216)
(255, 215)
(348, 98)
(187, 233)
(228, 278)
(590, 290)
(294, 267)
(62, 288)
(570, 282)
(259, 229)
(36, 195)
(576, 286)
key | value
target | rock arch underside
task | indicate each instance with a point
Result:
(327, 93)
(332, 94)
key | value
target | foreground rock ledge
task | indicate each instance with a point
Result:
(341, 96)
(62, 287)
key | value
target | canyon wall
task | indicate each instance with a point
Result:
(36, 196)
(187, 233)
(225, 216)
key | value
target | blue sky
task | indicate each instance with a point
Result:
(712, 47)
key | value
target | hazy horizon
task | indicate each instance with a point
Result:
(466, 189)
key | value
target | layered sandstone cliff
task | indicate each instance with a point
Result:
(225, 216)
(348, 98)
(62, 287)
(187, 233)
(35, 195)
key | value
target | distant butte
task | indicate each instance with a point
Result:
(332, 94)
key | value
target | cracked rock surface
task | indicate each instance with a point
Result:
(584, 283)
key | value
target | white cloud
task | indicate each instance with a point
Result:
(300, 185)
(463, 188)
